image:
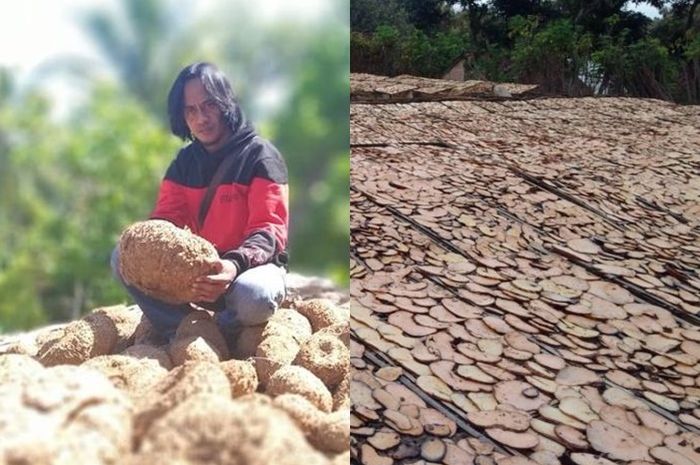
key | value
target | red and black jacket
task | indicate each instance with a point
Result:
(248, 217)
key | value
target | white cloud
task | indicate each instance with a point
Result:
(33, 31)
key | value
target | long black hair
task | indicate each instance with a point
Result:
(217, 86)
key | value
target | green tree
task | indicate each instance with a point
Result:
(427, 15)
(552, 56)
(146, 44)
(74, 187)
(312, 132)
(367, 15)
(511, 8)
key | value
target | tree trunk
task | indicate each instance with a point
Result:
(473, 22)
(691, 15)
(78, 299)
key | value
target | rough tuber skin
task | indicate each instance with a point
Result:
(326, 357)
(163, 260)
(329, 432)
(322, 313)
(298, 380)
(208, 429)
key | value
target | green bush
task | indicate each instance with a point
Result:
(552, 56)
(643, 68)
(77, 186)
(391, 51)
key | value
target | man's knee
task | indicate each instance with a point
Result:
(256, 295)
(254, 311)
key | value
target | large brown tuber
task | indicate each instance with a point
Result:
(293, 379)
(242, 376)
(322, 313)
(64, 414)
(209, 429)
(163, 260)
(329, 432)
(132, 375)
(180, 384)
(325, 356)
(94, 335)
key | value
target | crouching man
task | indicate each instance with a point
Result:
(229, 186)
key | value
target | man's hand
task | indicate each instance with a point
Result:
(209, 288)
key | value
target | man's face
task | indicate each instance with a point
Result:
(203, 117)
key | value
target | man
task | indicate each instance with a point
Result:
(247, 217)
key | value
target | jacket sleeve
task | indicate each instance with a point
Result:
(171, 204)
(268, 217)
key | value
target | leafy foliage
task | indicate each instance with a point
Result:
(367, 15)
(313, 133)
(552, 54)
(568, 47)
(389, 51)
(643, 69)
(75, 188)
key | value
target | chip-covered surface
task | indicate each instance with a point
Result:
(527, 270)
